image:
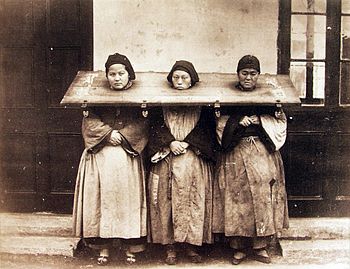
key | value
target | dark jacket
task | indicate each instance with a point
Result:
(201, 138)
(233, 131)
(101, 121)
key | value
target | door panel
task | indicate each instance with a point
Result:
(316, 158)
(20, 173)
(305, 173)
(64, 20)
(299, 183)
(18, 78)
(69, 50)
(63, 66)
(19, 17)
(21, 88)
(65, 152)
(43, 43)
(342, 167)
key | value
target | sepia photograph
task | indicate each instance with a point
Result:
(175, 134)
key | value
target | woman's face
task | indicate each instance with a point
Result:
(181, 80)
(118, 76)
(248, 78)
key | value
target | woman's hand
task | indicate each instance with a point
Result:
(178, 147)
(255, 119)
(184, 144)
(116, 138)
(245, 121)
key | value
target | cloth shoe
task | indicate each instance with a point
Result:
(238, 257)
(261, 255)
(170, 255)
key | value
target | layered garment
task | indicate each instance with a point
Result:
(180, 186)
(249, 194)
(110, 200)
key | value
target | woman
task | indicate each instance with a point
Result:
(110, 198)
(250, 173)
(180, 181)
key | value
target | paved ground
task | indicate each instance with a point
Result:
(214, 258)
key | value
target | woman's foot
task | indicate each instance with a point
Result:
(130, 257)
(170, 256)
(262, 255)
(194, 256)
(103, 258)
(238, 257)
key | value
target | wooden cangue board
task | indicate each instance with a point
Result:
(90, 88)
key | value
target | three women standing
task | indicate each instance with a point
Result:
(249, 205)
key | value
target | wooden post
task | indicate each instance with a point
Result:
(310, 46)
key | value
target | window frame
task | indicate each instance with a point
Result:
(342, 15)
(332, 55)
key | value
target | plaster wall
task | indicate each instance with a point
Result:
(213, 34)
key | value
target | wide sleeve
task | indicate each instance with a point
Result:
(94, 130)
(202, 137)
(233, 132)
(160, 136)
(135, 134)
(274, 128)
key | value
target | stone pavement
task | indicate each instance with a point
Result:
(218, 257)
(40, 240)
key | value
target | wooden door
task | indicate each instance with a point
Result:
(316, 159)
(43, 43)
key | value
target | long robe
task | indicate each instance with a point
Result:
(180, 187)
(249, 192)
(110, 198)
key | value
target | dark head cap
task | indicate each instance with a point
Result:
(248, 61)
(184, 66)
(120, 59)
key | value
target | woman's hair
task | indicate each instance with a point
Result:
(120, 59)
(184, 66)
(248, 61)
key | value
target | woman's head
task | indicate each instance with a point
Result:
(248, 70)
(183, 75)
(119, 71)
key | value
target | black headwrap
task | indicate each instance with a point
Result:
(120, 59)
(184, 66)
(248, 61)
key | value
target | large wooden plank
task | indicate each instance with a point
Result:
(91, 88)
